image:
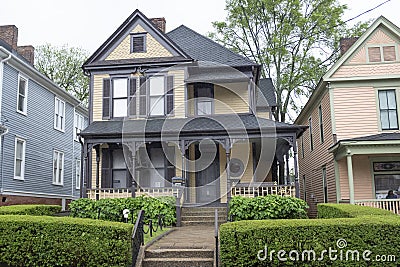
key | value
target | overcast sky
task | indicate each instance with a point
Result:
(88, 23)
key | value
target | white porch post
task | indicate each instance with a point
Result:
(350, 175)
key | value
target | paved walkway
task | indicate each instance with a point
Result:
(195, 237)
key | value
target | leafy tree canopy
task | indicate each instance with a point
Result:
(63, 66)
(295, 41)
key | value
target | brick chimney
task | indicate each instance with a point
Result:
(28, 52)
(9, 34)
(159, 23)
(346, 43)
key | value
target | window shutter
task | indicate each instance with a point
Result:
(106, 98)
(138, 44)
(170, 95)
(132, 96)
(106, 177)
(374, 54)
(389, 53)
(142, 97)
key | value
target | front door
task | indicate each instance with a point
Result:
(207, 174)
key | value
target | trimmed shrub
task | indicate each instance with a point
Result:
(326, 211)
(268, 207)
(35, 210)
(241, 242)
(111, 209)
(55, 241)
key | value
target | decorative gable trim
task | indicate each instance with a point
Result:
(381, 21)
(125, 29)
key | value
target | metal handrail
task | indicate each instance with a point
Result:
(216, 238)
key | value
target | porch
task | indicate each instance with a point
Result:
(368, 168)
(202, 169)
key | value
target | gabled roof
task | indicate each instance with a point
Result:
(381, 21)
(267, 96)
(202, 48)
(123, 30)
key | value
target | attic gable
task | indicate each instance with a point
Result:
(119, 47)
(380, 43)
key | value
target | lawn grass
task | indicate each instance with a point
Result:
(147, 237)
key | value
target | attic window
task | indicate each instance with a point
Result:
(385, 53)
(138, 43)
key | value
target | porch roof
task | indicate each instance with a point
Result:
(189, 126)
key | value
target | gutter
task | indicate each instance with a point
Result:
(1, 100)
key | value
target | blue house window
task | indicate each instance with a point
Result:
(22, 94)
(59, 114)
(58, 167)
(19, 162)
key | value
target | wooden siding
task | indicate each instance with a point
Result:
(355, 112)
(179, 92)
(362, 177)
(244, 152)
(153, 48)
(377, 69)
(263, 114)
(359, 57)
(97, 97)
(223, 181)
(313, 162)
(231, 98)
(380, 37)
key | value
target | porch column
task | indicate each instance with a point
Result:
(97, 149)
(350, 175)
(287, 168)
(228, 173)
(133, 182)
(296, 173)
(85, 171)
(182, 148)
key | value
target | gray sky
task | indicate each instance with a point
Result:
(88, 23)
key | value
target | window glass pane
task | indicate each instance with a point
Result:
(382, 100)
(393, 119)
(389, 53)
(20, 146)
(157, 157)
(118, 159)
(119, 179)
(156, 106)
(119, 107)
(60, 160)
(204, 107)
(391, 99)
(384, 119)
(374, 54)
(57, 106)
(120, 88)
(61, 108)
(157, 85)
(386, 182)
(22, 85)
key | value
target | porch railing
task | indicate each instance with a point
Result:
(263, 189)
(109, 193)
(388, 204)
(158, 191)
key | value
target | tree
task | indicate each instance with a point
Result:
(294, 41)
(63, 66)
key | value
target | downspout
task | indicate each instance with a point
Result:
(1, 100)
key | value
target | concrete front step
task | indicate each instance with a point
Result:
(203, 218)
(200, 223)
(203, 211)
(179, 253)
(178, 262)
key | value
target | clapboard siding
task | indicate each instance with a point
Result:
(313, 162)
(37, 128)
(231, 98)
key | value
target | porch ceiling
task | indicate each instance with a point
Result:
(217, 124)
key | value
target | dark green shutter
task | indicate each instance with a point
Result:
(132, 96)
(106, 173)
(142, 97)
(170, 95)
(106, 98)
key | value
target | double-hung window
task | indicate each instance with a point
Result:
(388, 109)
(120, 97)
(58, 167)
(321, 124)
(59, 114)
(311, 134)
(78, 125)
(161, 95)
(19, 161)
(204, 95)
(119, 93)
(22, 94)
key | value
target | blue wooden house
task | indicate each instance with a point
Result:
(40, 153)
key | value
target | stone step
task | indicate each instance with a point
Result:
(198, 222)
(179, 253)
(205, 218)
(178, 262)
(203, 211)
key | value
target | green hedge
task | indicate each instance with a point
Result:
(241, 241)
(268, 207)
(55, 241)
(35, 210)
(326, 211)
(111, 209)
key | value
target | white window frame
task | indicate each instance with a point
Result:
(159, 97)
(22, 177)
(25, 106)
(79, 124)
(78, 167)
(57, 180)
(381, 46)
(56, 116)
